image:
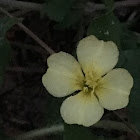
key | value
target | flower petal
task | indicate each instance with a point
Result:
(64, 75)
(97, 56)
(114, 88)
(83, 109)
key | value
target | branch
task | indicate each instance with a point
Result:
(105, 124)
(13, 4)
(29, 32)
(127, 3)
(90, 6)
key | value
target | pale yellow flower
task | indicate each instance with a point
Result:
(97, 91)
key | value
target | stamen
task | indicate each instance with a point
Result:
(91, 79)
(85, 89)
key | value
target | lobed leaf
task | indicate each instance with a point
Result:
(106, 27)
(109, 4)
(133, 66)
(77, 132)
(57, 9)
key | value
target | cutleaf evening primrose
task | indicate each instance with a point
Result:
(99, 85)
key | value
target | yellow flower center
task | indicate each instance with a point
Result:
(91, 78)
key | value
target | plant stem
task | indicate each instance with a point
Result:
(105, 124)
(13, 4)
(41, 132)
(29, 32)
(127, 124)
(36, 38)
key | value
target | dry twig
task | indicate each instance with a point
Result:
(29, 32)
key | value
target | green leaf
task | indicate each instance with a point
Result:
(4, 57)
(134, 105)
(52, 115)
(4, 52)
(109, 4)
(5, 25)
(132, 63)
(129, 43)
(106, 27)
(55, 137)
(4, 136)
(133, 66)
(121, 60)
(130, 39)
(57, 9)
(70, 19)
(77, 132)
